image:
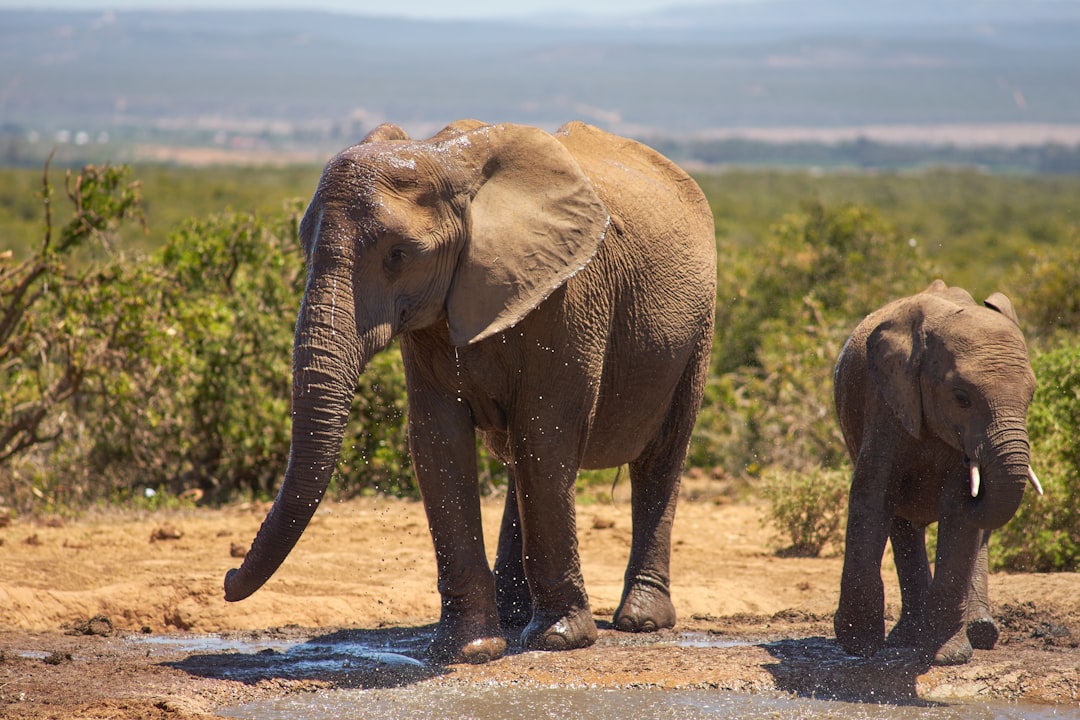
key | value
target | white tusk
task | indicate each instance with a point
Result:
(1034, 480)
(975, 480)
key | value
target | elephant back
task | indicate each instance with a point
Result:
(628, 174)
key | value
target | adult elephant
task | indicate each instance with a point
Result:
(553, 292)
(932, 393)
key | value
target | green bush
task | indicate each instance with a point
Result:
(169, 371)
(374, 454)
(66, 315)
(1049, 288)
(808, 507)
(784, 310)
(1044, 535)
(212, 413)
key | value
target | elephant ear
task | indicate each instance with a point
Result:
(385, 133)
(533, 221)
(894, 352)
(998, 301)
(955, 295)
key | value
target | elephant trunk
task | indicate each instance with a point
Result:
(998, 478)
(327, 361)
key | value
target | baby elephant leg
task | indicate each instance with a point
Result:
(982, 631)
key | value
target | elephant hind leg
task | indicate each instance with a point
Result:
(982, 633)
(512, 594)
(654, 477)
(646, 601)
(913, 572)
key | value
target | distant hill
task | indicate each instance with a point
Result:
(291, 79)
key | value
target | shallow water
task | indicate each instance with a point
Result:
(379, 677)
(513, 703)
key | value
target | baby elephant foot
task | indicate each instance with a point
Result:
(982, 633)
(645, 608)
(462, 640)
(576, 629)
(956, 650)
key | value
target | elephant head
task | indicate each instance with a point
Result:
(472, 228)
(958, 371)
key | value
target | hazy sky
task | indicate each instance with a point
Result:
(408, 8)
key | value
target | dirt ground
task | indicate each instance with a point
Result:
(121, 615)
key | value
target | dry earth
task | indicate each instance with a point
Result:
(121, 615)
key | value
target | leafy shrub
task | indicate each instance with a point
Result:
(808, 507)
(784, 311)
(212, 414)
(835, 255)
(374, 454)
(1050, 291)
(169, 371)
(65, 316)
(1044, 535)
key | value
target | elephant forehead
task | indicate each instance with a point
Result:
(991, 356)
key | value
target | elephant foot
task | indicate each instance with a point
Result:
(645, 607)
(576, 629)
(467, 640)
(982, 633)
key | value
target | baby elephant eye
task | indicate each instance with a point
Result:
(962, 398)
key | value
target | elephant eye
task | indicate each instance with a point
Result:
(962, 398)
(396, 258)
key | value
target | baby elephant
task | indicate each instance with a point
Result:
(932, 393)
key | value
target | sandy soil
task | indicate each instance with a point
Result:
(89, 610)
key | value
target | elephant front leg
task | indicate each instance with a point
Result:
(444, 457)
(561, 618)
(859, 621)
(945, 640)
(982, 631)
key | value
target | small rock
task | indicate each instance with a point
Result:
(99, 625)
(237, 550)
(57, 658)
(166, 532)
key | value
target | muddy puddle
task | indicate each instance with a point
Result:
(510, 703)
(381, 675)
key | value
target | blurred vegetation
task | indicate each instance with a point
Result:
(156, 354)
(809, 507)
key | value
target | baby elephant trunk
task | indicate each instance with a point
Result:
(997, 484)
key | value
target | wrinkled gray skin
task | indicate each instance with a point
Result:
(554, 293)
(927, 387)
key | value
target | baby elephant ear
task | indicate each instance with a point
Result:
(385, 133)
(894, 353)
(534, 221)
(1003, 305)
